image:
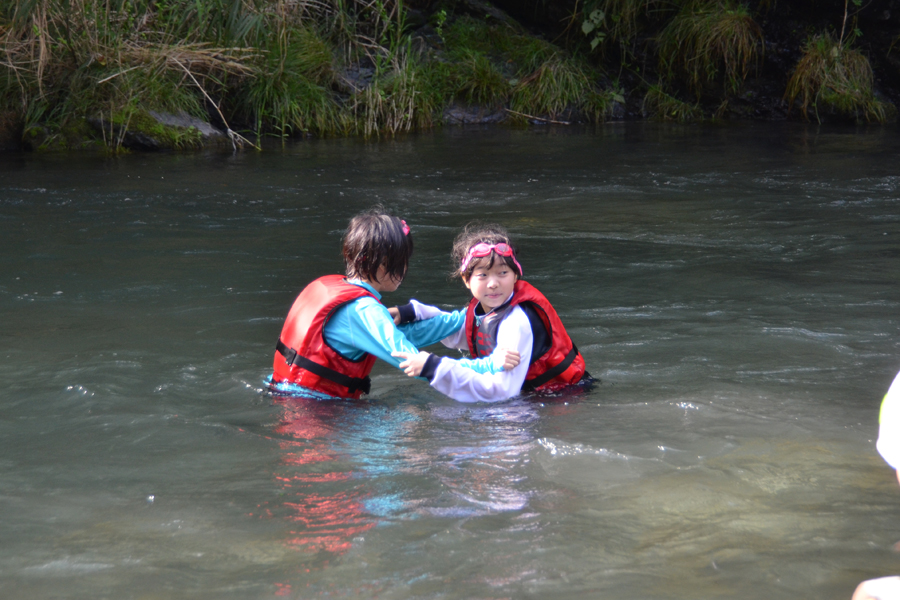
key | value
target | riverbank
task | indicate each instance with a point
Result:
(149, 75)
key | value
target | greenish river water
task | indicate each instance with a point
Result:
(735, 289)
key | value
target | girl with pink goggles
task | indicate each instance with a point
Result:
(483, 249)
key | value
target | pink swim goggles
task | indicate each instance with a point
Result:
(483, 249)
(405, 227)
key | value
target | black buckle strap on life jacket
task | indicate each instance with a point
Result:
(551, 373)
(353, 384)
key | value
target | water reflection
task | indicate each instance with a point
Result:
(324, 493)
(348, 467)
(481, 455)
(478, 458)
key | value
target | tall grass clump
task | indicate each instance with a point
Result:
(665, 107)
(470, 34)
(495, 64)
(555, 87)
(476, 79)
(525, 53)
(472, 71)
(71, 60)
(407, 94)
(292, 88)
(501, 43)
(832, 74)
(709, 39)
(623, 20)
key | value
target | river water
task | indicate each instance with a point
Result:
(735, 289)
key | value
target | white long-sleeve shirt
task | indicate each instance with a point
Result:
(465, 384)
(889, 426)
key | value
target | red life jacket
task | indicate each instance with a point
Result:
(559, 364)
(303, 356)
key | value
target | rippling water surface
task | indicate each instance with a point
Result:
(735, 289)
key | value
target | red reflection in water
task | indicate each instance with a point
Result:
(325, 510)
(282, 589)
(329, 522)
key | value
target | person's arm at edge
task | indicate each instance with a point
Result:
(888, 444)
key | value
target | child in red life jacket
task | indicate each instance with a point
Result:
(337, 326)
(504, 312)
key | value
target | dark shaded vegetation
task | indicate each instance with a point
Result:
(97, 73)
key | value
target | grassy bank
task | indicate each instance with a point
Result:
(270, 68)
(86, 72)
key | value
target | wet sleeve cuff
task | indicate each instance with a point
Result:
(407, 313)
(431, 365)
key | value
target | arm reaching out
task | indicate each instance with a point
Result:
(507, 359)
(466, 384)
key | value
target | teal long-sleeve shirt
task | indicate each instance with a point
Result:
(365, 326)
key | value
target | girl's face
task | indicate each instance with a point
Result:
(491, 286)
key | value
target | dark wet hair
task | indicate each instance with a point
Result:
(474, 233)
(375, 238)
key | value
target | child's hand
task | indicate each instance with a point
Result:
(413, 363)
(507, 358)
(395, 314)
